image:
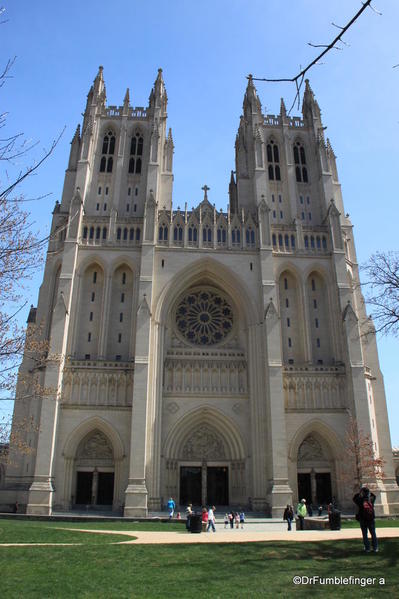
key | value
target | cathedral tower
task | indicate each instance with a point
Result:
(216, 357)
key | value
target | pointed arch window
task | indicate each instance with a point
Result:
(108, 150)
(250, 236)
(178, 234)
(221, 235)
(192, 234)
(207, 235)
(273, 159)
(163, 233)
(301, 171)
(136, 153)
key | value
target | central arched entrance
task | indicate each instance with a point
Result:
(205, 461)
(205, 480)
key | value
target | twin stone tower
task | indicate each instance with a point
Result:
(215, 357)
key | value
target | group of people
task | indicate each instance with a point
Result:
(364, 500)
(236, 519)
(231, 519)
(301, 512)
(207, 518)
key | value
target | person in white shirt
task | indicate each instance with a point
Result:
(211, 519)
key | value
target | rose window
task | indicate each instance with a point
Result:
(204, 317)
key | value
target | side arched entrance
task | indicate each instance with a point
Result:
(93, 456)
(94, 471)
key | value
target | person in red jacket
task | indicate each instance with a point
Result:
(366, 516)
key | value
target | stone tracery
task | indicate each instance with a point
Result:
(204, 317)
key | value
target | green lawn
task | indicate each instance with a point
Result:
(380, 523)
(102, 570)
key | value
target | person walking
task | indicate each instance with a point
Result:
(231, 518)
(171, 507)
(204, 519)
(302, 512)
(226, 520)
(237, 520)
(211, 519)
(189, 513)
(242, 519)
(365, 500)
(288, 515)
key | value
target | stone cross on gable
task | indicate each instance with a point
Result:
(206, 189)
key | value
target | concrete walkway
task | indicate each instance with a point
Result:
(241, 536)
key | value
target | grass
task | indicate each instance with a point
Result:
(379, 523)
(23, 531)
(102, 570)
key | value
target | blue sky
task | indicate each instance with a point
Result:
(206, 49)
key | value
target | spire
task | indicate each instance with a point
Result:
(126, 101)
(96, 93)
(329, 148)
(74, 153)
(76, 136)
(99, 86)
(283, 110)
(251, 99)
(158, 96)
(233, 194)
(168, 152)
(310, 107)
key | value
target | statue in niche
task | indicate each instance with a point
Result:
(310, 449)
(96, 446)
(204, 444)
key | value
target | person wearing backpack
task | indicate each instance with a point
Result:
(366, 517)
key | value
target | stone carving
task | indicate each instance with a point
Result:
(204, 444)
(204, 317)
(172, 407)
(96, 446)
(89, 385)
(189, 375)
(314, 390)
(310, 449)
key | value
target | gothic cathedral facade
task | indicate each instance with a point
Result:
(215, 357)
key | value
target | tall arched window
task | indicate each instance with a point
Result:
(108, 150)
(301, 171)
(319, 319)
(90, 313)
(119, 317)
(236, 236)
(163, 232)
(273, 159)
(206, 235)
(178, 234)
(221, 235)
(136, 153)
(291, 319)
(192, 234)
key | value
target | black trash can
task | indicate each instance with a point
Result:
(335, 520)
(196, 523)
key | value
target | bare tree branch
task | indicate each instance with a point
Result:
(382, 290)
(299, 77)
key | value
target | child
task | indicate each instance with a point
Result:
(242, 519)
(237, 520)
(226, 520)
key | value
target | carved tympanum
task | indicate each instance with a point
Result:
(96, 446)
(204, 444)
(310, 449)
